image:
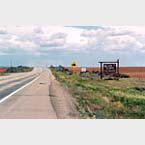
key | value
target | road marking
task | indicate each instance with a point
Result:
(5, 98)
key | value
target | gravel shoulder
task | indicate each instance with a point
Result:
(63, 102)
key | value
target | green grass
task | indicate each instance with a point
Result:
(2, 74)
(105, 98)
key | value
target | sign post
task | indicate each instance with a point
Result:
(101, 70)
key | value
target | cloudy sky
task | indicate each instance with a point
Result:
(46, 45)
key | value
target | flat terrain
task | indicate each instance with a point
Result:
(134, 72)
(106, 98)
(37, 100)
(3, 70)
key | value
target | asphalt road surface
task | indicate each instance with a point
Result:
(27, 96)
(10, 83)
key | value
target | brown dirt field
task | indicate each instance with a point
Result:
(135, 72)
(2, 70)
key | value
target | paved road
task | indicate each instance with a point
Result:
(42, 98)
(31, 102)
(10, 83)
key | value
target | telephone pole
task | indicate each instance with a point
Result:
(10, 63)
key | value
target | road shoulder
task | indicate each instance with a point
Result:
(63, 102)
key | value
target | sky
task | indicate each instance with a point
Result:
(60, 45)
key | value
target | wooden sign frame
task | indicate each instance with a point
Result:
(115, 63)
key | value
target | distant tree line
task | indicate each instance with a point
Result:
(19, 69)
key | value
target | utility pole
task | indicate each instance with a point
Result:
(10, 63)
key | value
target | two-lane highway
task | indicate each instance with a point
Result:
(10, 83)
(34, 95)
(32, 101)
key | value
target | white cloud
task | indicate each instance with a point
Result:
(121, 42)
(40, 39)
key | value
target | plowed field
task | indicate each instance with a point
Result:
(2, 70)
(135, 72)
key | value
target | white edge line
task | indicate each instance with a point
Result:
(5, 98)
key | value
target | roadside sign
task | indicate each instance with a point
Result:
(109, 68)
(73, 64)
(83, 69)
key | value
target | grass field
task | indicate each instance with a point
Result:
(2, 74)
(106, 98)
